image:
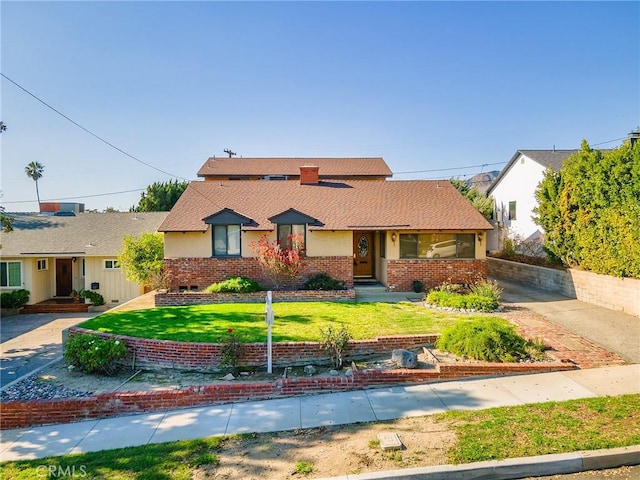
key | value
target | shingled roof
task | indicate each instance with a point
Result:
(86, 234)
(330, 168)
(547, 158)
(340, 205)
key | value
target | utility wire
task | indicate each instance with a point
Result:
(453, 168)
(89, 131)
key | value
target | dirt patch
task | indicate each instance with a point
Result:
(334, 451)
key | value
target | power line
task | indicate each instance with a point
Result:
(81, 196)
(89, 131)
(453, 168)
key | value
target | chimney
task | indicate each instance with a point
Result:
(309, 175)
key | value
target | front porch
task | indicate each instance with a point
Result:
(57, 305)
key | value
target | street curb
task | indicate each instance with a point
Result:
(556, 464)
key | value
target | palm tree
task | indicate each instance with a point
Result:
(34, 171)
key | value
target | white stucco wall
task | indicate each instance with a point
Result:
(518, 184)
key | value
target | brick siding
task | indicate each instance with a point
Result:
(432, 272)
(202, 272)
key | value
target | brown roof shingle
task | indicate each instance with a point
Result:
(344, 205)
(329, 167)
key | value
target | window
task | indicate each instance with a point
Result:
(285, 231)
(512, 210)
(383, 244)
(111, 265)
(42, 264)
(437, 245)
(226, 240)
(84, 266)
(10, 274)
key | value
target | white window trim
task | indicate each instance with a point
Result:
(114, 262)
(21, 274)
(42, 265)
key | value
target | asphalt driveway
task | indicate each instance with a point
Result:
(30, 341)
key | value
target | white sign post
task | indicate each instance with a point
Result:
(269, 317)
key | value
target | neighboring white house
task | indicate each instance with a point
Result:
(514, 194)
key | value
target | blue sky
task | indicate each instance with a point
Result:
(427, 86)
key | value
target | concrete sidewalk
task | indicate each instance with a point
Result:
(315, 411)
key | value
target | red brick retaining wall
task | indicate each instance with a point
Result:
(16, 414)
(433, 272)
(202, 298)
(199, 273)
(157, 354)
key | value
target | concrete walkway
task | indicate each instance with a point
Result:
(315, 411)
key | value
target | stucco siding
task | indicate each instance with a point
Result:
(187, 244)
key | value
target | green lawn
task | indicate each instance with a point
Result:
(497, 433)
(295, 321)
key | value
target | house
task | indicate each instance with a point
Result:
(514, 194)
(356, 223)
(50, 255)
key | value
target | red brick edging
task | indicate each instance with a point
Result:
(17, 414)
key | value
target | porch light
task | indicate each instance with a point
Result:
(393, 237)
(480, 237)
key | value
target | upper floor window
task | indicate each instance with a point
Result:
(10, 274)
(437, 245)
(111, 264)
(226, 240)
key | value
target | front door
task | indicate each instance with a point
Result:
(63, 277)
(363, 254)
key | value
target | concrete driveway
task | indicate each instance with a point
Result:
(30, 341)
(615, 331)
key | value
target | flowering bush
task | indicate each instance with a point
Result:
(93, 354)
(230, 352)
(281, 262)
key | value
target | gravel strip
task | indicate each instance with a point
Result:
(31, 389)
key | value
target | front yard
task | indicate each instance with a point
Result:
(294, 322)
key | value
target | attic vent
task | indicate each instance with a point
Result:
(274, 177)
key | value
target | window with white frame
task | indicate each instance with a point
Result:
(11, 274)
(42, 264)
(111, 264)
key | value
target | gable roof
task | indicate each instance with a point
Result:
(86, 234)
(547, 158)
(346, 205)
(329, 167)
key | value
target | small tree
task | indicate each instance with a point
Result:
(335, 342)
(281, 263)
(142, 258)
(479, 200)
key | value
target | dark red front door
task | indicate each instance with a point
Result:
(362, 254)
(64, 280)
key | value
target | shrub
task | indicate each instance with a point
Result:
(94, 297)
(488, 339)
(15, 298)
(230, 352)
(93, 354)
(322, 281)
(484, 296)
(335, 342)
(235, 285)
